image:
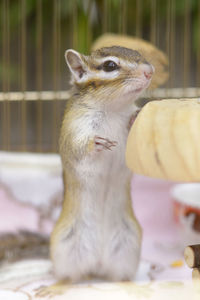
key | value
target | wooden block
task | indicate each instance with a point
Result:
(192, 257)
(196, 274)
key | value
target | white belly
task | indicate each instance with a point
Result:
(105, 182)
(104, 174)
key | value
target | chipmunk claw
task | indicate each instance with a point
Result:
(104, 143)
(132, 118)
(48, 292)
(53, 290)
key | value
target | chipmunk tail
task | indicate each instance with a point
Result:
(23, 245)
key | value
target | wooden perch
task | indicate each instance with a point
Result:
(196, 274)
(192, 258)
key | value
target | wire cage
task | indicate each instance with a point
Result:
(33, 75)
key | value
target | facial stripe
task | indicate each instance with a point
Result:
(99, 83)
(99, 75)
(103, 59)
(98, 63)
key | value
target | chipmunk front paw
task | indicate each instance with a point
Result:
(103, 143)
(132, 118)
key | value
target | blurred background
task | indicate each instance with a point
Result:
(34, 35)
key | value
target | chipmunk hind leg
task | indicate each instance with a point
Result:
(123, 255)
(74, 255)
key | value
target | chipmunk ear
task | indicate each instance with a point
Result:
(76, 64)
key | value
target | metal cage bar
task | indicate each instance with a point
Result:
(23, 60)
(198, 50)
(6, 78)
(56, 71)
(186, 42)
(39, 75)
(138, 25)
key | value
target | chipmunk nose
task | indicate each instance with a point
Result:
(148, 70)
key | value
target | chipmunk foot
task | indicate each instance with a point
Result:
(53, 290)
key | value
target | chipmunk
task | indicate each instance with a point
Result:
(97, 233)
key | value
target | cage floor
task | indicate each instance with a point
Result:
(162, 272)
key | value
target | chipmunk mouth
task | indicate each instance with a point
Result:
(138, 90)
(143, 87)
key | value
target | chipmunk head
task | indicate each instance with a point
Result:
(116, 71)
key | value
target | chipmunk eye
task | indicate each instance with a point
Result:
(110, 66)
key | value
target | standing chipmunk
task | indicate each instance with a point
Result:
(97, 233)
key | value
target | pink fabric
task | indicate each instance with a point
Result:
(14, 216)
(162, 243)
(151, 201)
(153, 207)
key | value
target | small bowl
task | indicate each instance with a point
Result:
(186, 206)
